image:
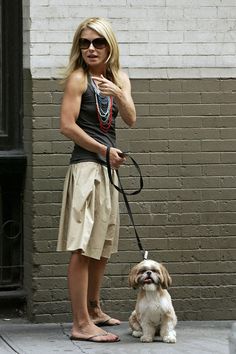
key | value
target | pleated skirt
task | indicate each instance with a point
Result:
(89, 219)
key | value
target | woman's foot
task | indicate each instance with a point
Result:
(90, 332)
(99, 318)
(106, 321)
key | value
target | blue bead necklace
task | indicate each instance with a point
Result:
(104, 108)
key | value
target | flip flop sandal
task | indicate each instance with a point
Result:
(92, 338)
(106, 323)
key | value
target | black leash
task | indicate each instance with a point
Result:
(122, 191)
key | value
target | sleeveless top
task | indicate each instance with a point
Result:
(88, 121)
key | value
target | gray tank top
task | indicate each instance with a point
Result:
(88, 121)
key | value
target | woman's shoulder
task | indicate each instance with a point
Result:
(123, 75)
(123, 78)
(77, 81)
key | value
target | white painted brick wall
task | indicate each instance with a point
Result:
(158, 38)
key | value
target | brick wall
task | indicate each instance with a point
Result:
(185, 143)
(158, 38)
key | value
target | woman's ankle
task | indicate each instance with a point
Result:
(94, 310)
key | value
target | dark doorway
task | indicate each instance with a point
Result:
(12, 157)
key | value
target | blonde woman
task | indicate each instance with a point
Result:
(95, 90)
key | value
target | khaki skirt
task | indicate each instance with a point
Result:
(90, 211)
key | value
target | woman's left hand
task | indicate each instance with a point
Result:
(122, 96)
(106, 87)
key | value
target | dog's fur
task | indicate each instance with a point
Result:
(154, 313)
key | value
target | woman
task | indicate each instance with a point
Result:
(95, 90)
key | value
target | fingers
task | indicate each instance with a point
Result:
(121, 154)
(116, 165)
(105, 86)
(116, 158)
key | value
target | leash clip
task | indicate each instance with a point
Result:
(145, 256)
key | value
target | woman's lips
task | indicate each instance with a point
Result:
(91, 56)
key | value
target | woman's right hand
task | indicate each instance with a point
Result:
(116, 158)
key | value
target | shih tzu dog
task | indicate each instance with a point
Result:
(154, 313)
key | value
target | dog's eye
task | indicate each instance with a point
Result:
(154, 270)
(142, 270)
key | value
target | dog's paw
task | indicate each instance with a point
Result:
(146, 339)
(170, 338)
(130, 331)
(137, 334)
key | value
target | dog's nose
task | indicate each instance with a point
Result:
(149, 273)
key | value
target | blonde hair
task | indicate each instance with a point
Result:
(103, 28)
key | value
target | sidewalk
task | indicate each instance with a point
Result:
(193, 337)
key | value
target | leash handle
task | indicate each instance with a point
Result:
(122, 191)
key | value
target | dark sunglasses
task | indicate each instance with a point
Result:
(98, 43)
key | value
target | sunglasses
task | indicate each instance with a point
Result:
(98, 43)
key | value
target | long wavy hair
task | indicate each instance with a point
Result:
(103, 28)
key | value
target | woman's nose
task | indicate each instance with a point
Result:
(91, 44)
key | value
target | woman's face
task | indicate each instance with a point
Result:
(94, 53)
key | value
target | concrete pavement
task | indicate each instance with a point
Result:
(193, 337)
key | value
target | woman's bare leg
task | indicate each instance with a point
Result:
(96, 273)
(83, 327)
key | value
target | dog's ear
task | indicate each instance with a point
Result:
(166, 280)
(133, 277)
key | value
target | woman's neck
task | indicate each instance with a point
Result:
(97, 71)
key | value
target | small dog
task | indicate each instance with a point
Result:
(154, 313)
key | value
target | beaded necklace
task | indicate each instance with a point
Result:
(104, 108)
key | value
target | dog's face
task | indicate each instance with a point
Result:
(149, 274)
